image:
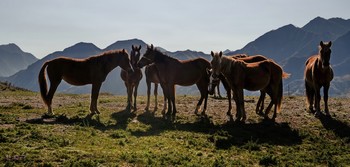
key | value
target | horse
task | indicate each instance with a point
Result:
(318, 73)
(247, 59)
(152, 76)
(92, 70)
(263, 75)
(173, 72)
(132, 79)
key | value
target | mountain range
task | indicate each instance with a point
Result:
(288, 45)
(13, 59)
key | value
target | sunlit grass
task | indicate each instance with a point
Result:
(119, 138)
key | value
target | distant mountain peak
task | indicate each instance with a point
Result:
(125, 44)
(82, 47)
(11, 47)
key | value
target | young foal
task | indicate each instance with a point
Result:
(318, 73)
(152, 76)
(92, 70)
(173, 72)
(132, 79)
(264, 75)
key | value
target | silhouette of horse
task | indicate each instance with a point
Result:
(263, 75)
(132, 79)
(92, 70)
(152, 76)
(247, 59)
(318, 73)
(173, 72)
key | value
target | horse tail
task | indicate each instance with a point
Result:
(42, 82)
(279, 96)
(285, 75)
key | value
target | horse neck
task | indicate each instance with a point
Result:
(226, 64)
(161, 58)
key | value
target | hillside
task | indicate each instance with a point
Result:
(13, 59)
(290, 46)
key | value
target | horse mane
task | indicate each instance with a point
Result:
(161, 57)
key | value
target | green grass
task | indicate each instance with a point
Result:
(119, 138)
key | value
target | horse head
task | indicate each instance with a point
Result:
(148, 57)
(216, 64)
(124, 61)
(325, 53)
(135, 55)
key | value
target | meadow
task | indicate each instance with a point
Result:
(119, 138)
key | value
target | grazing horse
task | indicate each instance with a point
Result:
(173, 72)
(132, 79)
(247, 59)
(152, 76)
(92, 70)
(263, 75)
(318, 73)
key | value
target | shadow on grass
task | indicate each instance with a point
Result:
(229, 134)
(122, 117)
(223, 136)
(341, 129)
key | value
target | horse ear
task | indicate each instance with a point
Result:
(152, 46)
(321, 44)
(220, 54)
(133, 47)
(139, 47)
(212, 54)
(329, 43)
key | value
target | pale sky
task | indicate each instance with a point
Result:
(43, 26)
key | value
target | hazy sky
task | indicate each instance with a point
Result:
(43, 26)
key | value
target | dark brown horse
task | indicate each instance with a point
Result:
(173, 72)
(132, 79)
(318, 73)
(247, 59)
(92, 70)
(151, 73)
(264, 75)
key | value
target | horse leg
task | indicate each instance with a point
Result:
(155, 97)
(129, 92)
(148, 94)
(203, 90)
(238, 111)
(241, 98)
(172, 98)
(94, 96)
(53, 87)
(317, 101)
(135, 95)
(325, 98)
(228, 113)
(310, 94)
(260, 105)
(218, 88)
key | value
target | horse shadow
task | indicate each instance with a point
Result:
(226, 135)
(340, 128)
(122, 118)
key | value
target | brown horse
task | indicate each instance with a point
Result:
(92, 70)
(247, 59)
(264, 75)
(318, 73)
(152, 76)
(173, 72)
(132, 79)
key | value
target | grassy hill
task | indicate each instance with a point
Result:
(119, 138)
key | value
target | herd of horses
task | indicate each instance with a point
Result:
(236, 73)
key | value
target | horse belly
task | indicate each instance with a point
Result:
(254, 84)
